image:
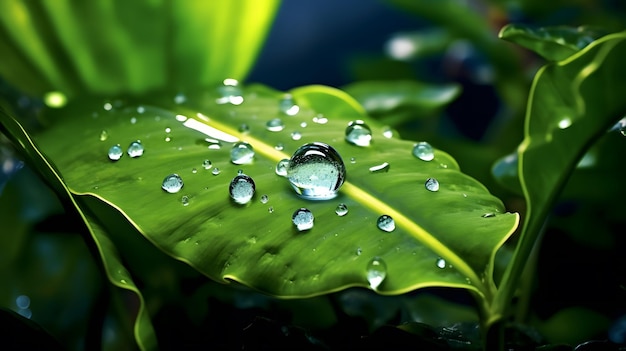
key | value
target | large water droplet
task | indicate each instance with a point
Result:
(288, 106)
(230, 92)
(275, 125)
(115, 152)
(242, 188)
(303, 219)
(432, 184)
(358, 133)
(316, 171)
(242, 153)
(172, 183)
(207, 164)
(281, 167)
(424, 151)
(386, 223)
(376, 272)
(341, 210)
(135, 149)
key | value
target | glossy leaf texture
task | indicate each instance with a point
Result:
(442, 238)
(113, 266)
(573, 104)
(106, 47)
(552, 43)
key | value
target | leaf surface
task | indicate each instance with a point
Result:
(257, 244)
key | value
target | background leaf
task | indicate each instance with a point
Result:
(109, 47)
(260, 248)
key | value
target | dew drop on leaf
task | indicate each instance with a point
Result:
(386, 223)
(288, 106)
(242, 153)
(135, 149)
(141, 109)
(244, 128)
(180, 98)
(488, 215)
(316, 171)
(320, 119)
(215, 171)
(281, 167)
(242, 189)
(358, 133)
(207, 164)
(432, 184)
(115, 152)
(270, 209)
(341, 210)
(230, 92)
(424, 151)
(381, 168)
(279, 146)
(264, 199)
(275, 125)
(387, 132)
(194, 170)
(296, 136)
(184, 200)
(376, 272)
(104, 135)
(172, 183)
(441, 263)
(303, 219)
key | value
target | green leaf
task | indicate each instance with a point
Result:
(262, 248)
(119, 46)
(573, 103)
(552, 43)
(114, 268)
(379, 97)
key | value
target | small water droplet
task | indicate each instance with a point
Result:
(279, 146)
(432, 184)
(194, 170)
(115, 152)
(133, 120)
(207, 164)
(296, 135)
(244, 128)
(620, 126)
(104, 135)
(184, 200)
(303, 125)
(303, 219)
(424, 151)
(215, 171)
(352, 160)
(386, 223)
(230, 92)
(242, 189)
(441, 263)
(135, 149)
(341, 209)
(168, 130)
(270, 209)
(275, 125)
(242, 153)
(358, 133)
(488, 215)
(141, 109)
(288, 106)
(565, 123)
(359, 251)
(172, 183)
(107, 106)
(55, 99)
(180, 98)
(22, 302)
(376, 272)
(381, 168)
(387, 132)
(240, 171)
(264, 199)
(320, 119)
(316, 171)
(281, 167)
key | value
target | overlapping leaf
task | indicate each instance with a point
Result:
(257, 244)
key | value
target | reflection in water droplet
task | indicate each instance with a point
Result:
(275, 125)
(279, 146)
(424, 151)
(387, 132)
(264, 199)
(341, 209)
(441, 263)
(383, 167)
(320, 119)
(432, 184)
(303, 219)
(316, 171)
(288, 106)
(376, 272)
(242, 153)
(104, 135)
(488, 215)
(242, 189)
(386, 223)
(207, 164)
(358, 133)
(172, 183)
(215, 171)
(281, 167)
(296, 135)
(230, 92)
(115, 152)
(184, 200)
(135, 149)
